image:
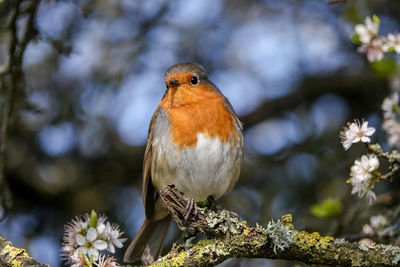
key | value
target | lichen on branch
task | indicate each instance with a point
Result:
(228, 237)
(12, 256)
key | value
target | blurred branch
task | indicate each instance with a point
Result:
(231, 238)
(12, 82)
(352, 88)
(392, 157)
(331, 2)
(12, 256)
(386, 233)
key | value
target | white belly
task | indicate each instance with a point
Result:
(208, 169)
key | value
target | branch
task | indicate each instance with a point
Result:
(12, 85)
(351, 88)
(12, 256)
(228, 237)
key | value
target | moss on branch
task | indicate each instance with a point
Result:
(12, 256)
(228, 237)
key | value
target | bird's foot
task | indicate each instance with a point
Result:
(191, 208)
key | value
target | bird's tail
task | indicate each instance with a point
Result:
(148, 242)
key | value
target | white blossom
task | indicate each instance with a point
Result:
(355, 132)
(388, 104)
(78, 260)
(373, 49)
(390, 123)
(113, 236)
(101, 228)
(367, 229)
(393, 41)
(377, 222)
(367, 31)
(395, 83)
(91, 252)
(392, 128)
(370, 195)
(77, 225)
(363, 189)
(361, 174)
(90, 244)
(106, 262)
(361, 170)
(82, 242)
(110, 233)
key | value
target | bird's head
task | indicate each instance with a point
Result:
(187, 83)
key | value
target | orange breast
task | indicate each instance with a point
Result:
(194, 110)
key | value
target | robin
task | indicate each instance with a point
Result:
(195, 142)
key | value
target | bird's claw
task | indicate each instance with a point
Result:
(191, 207)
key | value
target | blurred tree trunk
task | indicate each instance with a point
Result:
(12, 83)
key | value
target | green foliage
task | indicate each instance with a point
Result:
(329, 208)
(203, 203)
(352, 13)
(355, 38)
(396, 108)
(376, 19)
(93, 219)
(384, 68)
(391, 50)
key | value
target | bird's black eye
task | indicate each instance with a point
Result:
(194, 80)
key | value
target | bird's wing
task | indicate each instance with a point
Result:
(239, 155)
(149, 192)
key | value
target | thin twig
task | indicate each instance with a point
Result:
(12, 85)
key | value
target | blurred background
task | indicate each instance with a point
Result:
(94, 76)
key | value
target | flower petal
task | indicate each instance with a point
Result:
(93, 252)
(373, 163)
(81, 240)
(80, 251)
(365, 139)
(100, 228)
(118, 243)
(369, 131)
(91, 234)
(347, 144)
(111, 247)
(100, 244)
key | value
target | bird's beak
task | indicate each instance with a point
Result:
(173, 82)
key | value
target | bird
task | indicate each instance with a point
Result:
(195, 142)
